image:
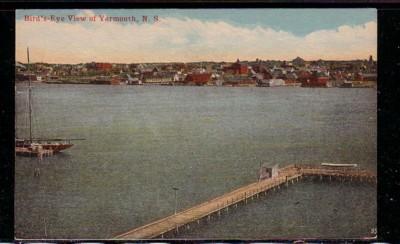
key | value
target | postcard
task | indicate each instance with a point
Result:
(251, 124)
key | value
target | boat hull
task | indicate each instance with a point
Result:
(57, 147)
(26, 148)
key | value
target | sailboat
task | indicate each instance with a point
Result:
(39, 146)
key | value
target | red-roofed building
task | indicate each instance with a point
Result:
(237, 69)
(198, 79)
(103, 66)
(313, 80)
(303, 76)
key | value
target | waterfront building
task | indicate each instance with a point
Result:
(316, 79)
(347, 84)
(179, 77)
(159, 78)
(198, 79)
(271, 82)
(369, 76)
(115, 80)
(238, 80)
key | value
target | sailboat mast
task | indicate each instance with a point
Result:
(29, 98)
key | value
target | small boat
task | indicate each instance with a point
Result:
(37, 146)
(55, 145)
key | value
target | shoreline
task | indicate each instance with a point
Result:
(70, 82)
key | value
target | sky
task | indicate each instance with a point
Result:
(185, 35)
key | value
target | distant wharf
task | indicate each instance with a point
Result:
(171, 225)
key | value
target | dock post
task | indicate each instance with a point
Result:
(36, 172)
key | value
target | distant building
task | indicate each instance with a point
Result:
(133, 81)
(263, 72)
(115, 80)
(99, 66)
(291, 78)
(179, 77)
(271, 83)
(159, 79)
(299, 62)
(198, 79)
(358, 77)
(156, 76)
(25, 77)
(369, 76)
(315, 79)
(237, 68)
(278, 73)
(236, 80)
(347, 84)
(371, 60)
(103, 66)
(20, 67)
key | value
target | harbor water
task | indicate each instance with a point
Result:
(141, 141)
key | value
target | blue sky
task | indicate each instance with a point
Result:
(296, 21)
(200, 35)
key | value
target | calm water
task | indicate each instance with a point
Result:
(142, 141)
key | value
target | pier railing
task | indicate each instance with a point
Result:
(286, 175)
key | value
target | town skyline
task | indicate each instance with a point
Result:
(195, 36)
(205, 61)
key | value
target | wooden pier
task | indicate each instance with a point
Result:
(288, 175)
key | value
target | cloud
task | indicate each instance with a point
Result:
(173, 39)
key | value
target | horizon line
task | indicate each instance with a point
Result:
(166, 62)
